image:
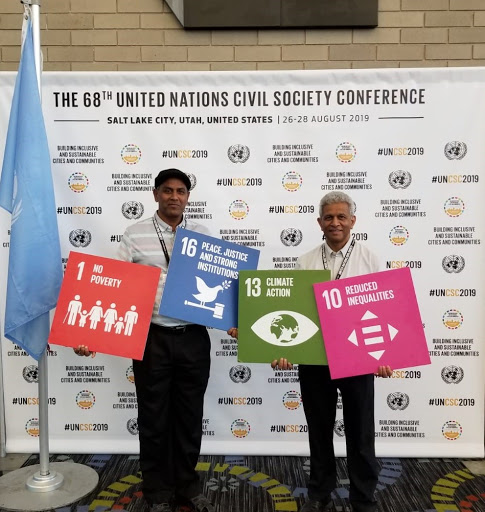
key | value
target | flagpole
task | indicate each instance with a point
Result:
(43, 487)
(55, 480)
(44, 480)
(35, 15)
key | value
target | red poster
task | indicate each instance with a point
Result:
(106, 305)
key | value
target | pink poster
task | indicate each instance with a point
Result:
(369, 321)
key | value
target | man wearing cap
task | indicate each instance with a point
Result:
(172, 377)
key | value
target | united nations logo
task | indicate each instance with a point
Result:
(455, 150)
(131, 154)
(452, 319)
(85, 399)
(397, 401)
(345, 152)
(132, 210)
(132, 426)
(454, 206)
(339, 428)
(193, 180)
(31, 373)
(291, 237)
(240, 428)
(240, 374)
(453, 264)
(398, 235)
(80, 237)
(238, 154)
(452, 374)
(451, 430)
(400, 179)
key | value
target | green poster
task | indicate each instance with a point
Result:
(278, 316)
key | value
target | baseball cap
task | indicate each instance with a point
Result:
(167, 174)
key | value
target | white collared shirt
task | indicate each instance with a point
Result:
(362, 261)
(335, 259)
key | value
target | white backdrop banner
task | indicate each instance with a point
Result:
(261, 148)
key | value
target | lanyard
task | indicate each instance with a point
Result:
(344, 262)
(161, 239)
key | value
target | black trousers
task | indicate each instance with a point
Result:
(170, 384)
(319, 395)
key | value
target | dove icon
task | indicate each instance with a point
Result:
(208, 294)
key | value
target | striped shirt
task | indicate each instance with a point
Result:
(140, 244)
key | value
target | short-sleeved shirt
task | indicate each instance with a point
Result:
(140, 244)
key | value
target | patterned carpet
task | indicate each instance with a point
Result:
(270, 484)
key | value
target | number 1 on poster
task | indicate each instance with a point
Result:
(80, 266)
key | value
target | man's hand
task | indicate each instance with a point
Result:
(233, 332)
(282, 364)
(83, 350)
(384, 372)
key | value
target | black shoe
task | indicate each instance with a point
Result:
(161, 507)
(358, 507)
(316, 505)
(197, 504)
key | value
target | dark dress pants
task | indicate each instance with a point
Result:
(319, 395)
(170, 384)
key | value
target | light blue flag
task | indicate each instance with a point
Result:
(26, 191)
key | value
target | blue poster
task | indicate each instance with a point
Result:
(203, 278)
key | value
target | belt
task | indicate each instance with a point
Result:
(176, 329)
